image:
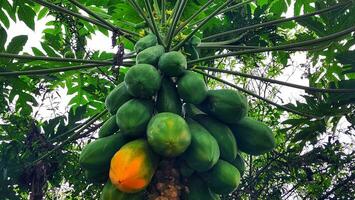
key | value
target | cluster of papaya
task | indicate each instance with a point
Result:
(163, 111)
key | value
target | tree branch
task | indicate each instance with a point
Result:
(278, 48)
(278, 21)
(310, 89)
(257, 96)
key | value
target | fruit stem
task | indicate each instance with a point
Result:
(278, 21)
(310, 89)
(278, 48)
(257, 96)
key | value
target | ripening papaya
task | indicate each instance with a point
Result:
(223, 135)
(133, 116)
(110, 192)
(168, 99)
(198, 190)
(168, 134)
(146, 42)
(229, 106)
(97, 154)
(192, 88)
(172, 63)
(96, 176)
(223, 178)
(253, 137)
(150, 55)
(203, 151)
(142, 81)
(118, 96)
(133, 166)
(238, 162)
(109, 127)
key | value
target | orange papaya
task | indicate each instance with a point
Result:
(133, 166)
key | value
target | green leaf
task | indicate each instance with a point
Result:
(17, 43)
(27, 15)
(346, 58)
(42, 13)
(3, 18)
(3, 38)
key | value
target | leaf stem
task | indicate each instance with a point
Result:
(213, 14)
(55, 59)
(70, 138)
(256, 96)
(202, 8)
(154, 25)
(278, 48)
(179, 7)
(278, 21)
(311, 89)
(113, 27)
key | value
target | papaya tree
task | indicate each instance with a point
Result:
(185, 101)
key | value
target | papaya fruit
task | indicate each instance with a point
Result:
(195, 41)
(191, 110)
(192, 88)
(172, 63)
(150, 55)
(146, 42)
(142, 80)
(96, 176)
(253, 137)
(223, 178)
(97, 154)
(203, 151)
(109, 127)
(110, 192)
(168, 134)
(118, 96)
(223, 135)
(133, 116)
(229, 106)
(168, 99)
(238, 162)
(133, 166)
(198, 190)
(192, 52)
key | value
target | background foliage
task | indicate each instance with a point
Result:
(314, 158)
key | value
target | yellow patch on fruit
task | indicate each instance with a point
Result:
(132, 167)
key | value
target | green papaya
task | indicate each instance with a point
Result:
(253, 137)
(133, 116)
(172, 63)
(203, 151)
(195, 41)
(238, 162)
(110, 192)
(168, 98)
(222, 133)
(142, 80)
(192, 88)
(96, 176)
(146, 42)
(223, 178)
(229, 106)
(118, 96)
(198, 190)
(168, 134)
(192, 52)
(150, 55)
(97, 154)
(109, 127)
